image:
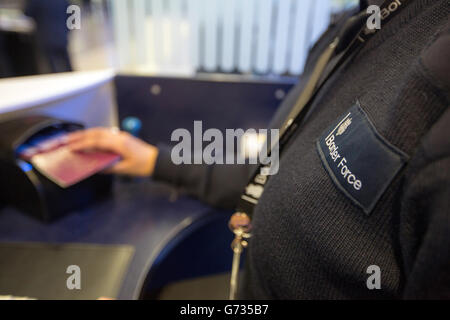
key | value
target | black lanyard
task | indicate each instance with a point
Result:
(327, 64)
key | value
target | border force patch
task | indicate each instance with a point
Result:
(361, 163)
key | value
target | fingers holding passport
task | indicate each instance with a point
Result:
(138, 157)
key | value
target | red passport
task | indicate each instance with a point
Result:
(50, 155)
(65, 167)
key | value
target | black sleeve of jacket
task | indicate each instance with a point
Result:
(426, 234)
(425, 227)
(425, 217)
(217, 185)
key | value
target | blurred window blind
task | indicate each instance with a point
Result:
(263, 37)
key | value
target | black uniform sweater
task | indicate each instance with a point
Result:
(316, 235)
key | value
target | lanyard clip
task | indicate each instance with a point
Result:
(241, 226)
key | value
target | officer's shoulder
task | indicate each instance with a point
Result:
(436, 142)
(435, 59)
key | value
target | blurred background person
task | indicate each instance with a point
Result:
(51, 32)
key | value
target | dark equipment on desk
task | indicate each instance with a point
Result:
(22, 186)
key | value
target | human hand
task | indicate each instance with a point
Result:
(138, 157)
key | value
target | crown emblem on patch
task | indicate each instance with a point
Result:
(344, 126)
